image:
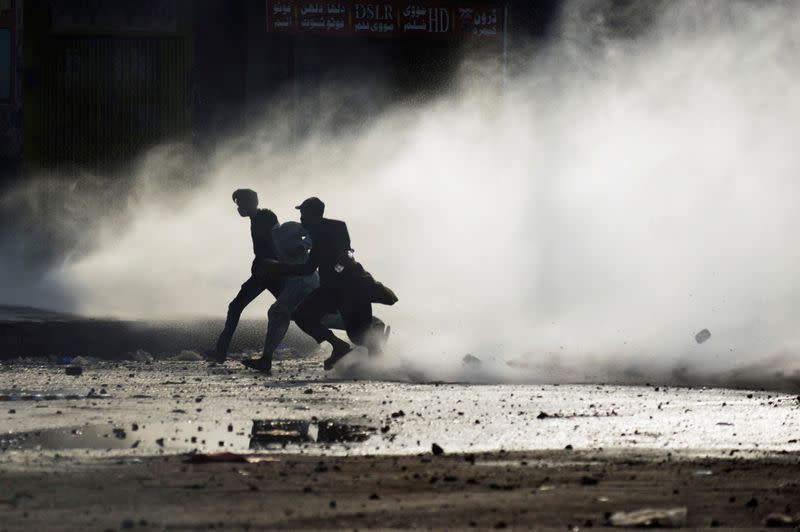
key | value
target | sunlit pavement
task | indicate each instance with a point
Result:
(175, 407)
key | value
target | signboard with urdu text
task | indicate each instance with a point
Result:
(390, 18)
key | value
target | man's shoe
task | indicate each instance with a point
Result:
(339, 351)
(213, 356)
(258, 364)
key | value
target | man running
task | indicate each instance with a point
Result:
(261, 223)
(345, 287)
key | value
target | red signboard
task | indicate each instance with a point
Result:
(391, 18)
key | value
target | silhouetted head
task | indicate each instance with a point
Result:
(311, 211)
(247, 201)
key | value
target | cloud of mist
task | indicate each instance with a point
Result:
(633, 183)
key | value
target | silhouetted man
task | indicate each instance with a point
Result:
(261, 223)
(345, 286)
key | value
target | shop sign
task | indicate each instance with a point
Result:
(386, 19)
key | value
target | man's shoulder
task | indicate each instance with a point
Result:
(266, 215)
(335, 224)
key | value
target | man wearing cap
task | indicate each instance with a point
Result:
(345, 286)
(261, 223)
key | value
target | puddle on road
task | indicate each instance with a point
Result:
(183, 437)
(271, 432)
(17, 395)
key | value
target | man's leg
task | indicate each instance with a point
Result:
(308, 316)
(333, 321)
(279, 315)
(357, 314)
(275, 286)
(250, 290)
(277, 325)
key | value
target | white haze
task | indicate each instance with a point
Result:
(582, 222)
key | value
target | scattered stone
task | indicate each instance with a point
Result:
(778, 520)
(650, 517)
(397, 414)
(120, 434)
(160, 442)
(436, 450)
(752, 503)
(589, 481)
(543, 415)
(502, 487)
(374, 497)
(702, 336)
(308, 391)
(75, 371)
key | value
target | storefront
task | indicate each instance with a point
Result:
(104, 81)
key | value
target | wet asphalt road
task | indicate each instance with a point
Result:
(173, 406)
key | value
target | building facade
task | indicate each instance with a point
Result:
(104, 80)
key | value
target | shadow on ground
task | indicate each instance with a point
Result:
(29, 332)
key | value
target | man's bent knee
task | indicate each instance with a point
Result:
(279, 313)
(235, 307)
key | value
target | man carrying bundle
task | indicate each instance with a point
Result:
(345, 287)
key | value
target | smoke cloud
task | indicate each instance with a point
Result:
(631, 183)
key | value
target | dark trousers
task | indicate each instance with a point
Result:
(349, 297)
(251, 289)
